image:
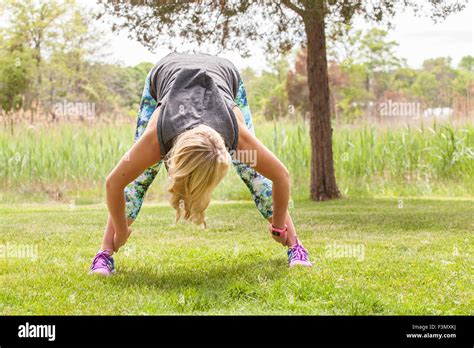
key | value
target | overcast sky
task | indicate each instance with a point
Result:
(418, 38)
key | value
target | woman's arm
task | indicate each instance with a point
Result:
(269, 166)
(144, 153)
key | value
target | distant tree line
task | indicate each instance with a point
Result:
(364, 72)
(51, 56)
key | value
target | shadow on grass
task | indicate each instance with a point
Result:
(211, 278)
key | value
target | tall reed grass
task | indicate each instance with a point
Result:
(73, 160)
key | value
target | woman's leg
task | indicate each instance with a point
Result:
(259, 186)
(135, 191)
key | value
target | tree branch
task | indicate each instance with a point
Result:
(293, 7)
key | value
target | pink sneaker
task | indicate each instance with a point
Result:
(298, 255)
(102, 264)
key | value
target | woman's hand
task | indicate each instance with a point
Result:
(279, 234)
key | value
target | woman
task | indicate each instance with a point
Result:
(193, 115)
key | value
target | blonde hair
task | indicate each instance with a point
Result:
(197, 162)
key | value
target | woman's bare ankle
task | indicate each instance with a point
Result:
(291, 241)
(109, 250)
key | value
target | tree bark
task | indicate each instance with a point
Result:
(323, 181)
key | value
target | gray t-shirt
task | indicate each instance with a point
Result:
(194, 89)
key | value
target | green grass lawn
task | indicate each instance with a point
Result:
(370, 257)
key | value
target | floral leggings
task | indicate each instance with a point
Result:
(259, 186)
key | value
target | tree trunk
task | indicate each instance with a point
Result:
(11, 124)
(323, 181)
